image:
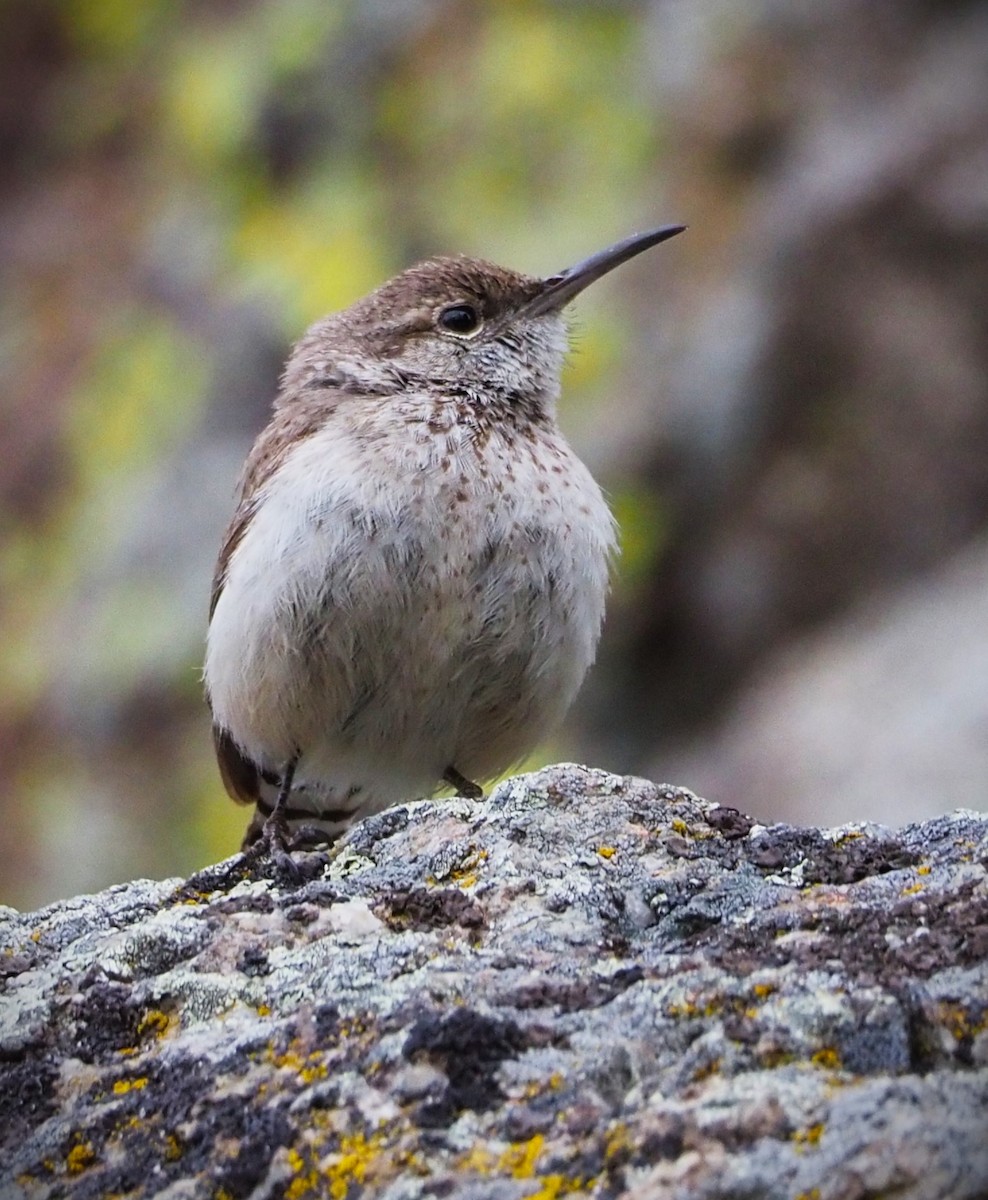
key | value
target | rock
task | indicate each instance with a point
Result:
(586, 984)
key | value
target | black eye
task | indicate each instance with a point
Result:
(460, 318)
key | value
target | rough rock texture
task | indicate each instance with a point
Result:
(585, 984)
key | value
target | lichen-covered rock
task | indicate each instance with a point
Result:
(586, 984)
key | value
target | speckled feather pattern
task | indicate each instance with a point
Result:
(416, 573)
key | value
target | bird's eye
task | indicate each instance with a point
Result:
(460, 318)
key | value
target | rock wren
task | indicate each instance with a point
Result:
(412, 587)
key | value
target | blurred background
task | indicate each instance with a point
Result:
(787, 404)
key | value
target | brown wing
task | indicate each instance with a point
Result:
(241, 777)
(288, 427)
(231, 540)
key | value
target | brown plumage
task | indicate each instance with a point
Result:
(412, 586)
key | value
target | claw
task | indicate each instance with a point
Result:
(465, 787)
(272, 840)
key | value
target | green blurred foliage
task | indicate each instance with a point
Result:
(134, 399)
(644, 524)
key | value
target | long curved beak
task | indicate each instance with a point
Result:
(559, 290)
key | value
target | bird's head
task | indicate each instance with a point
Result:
(456, 323)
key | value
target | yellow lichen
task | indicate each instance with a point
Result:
(762, 990)
(520, 1157)
(695, 1006)
(617, 1141)
(679, 826)
(923, 870)
(478, 1159)
(305, 1178)
(706, 1070)
(553, 1186)
(827, 1058)
(123, 1086)
(155, 1022)
(607, 851)
(355, 1156)
(309, 1069)
(519, 1161)
(686, 1009)
(79, 1158)
(466, 873)
(911, 890)
(961, 1023)
(411, 1160)
(809, 1136)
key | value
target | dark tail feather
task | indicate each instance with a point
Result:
(241, 777)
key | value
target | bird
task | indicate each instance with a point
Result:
(412, 586)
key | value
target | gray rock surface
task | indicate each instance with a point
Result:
(587, 984)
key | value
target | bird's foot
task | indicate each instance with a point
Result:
(272, 841)
(465, 787)
(311, 837)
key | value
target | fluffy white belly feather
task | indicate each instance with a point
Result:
(386, 629)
